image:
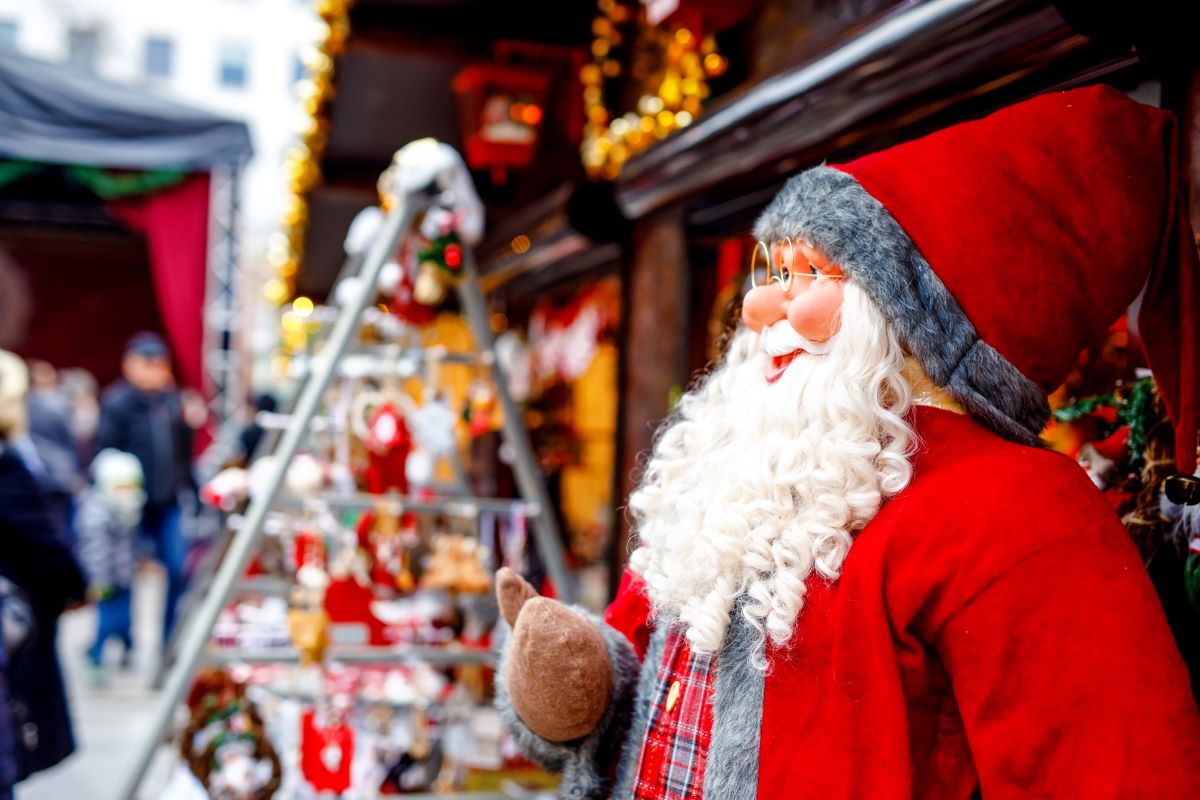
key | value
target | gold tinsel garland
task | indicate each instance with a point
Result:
(302, 160)
(677, 87)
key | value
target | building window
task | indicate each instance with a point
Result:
(233, 67)
(8, 34)
(158, 57)
(83, 46)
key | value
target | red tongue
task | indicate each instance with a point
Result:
(779, 364)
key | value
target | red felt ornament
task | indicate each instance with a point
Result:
(348, 604)
(326, 754)
(388, 445)
(403, 303)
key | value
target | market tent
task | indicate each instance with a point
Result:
(57, 114)
(67, 139)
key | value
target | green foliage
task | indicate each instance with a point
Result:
(1134, 406)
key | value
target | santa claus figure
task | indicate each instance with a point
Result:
(858, 573)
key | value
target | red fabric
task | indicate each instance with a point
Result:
(309, 548)
(348, 602)
(629, 613)
(1057, 209)
(175, 223)
(1169, 325)
(673, 755)
(1112, 447)
(388, 446)
(993, 622)
(71, 286)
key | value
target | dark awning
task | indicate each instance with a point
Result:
(58, 114)
(917, 67)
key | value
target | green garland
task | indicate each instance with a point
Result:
(110, 184)
(13, 171)
(107, 184)
(445, 252)
(1081, 408)
(1134, 410)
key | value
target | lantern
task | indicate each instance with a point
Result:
(500, 110)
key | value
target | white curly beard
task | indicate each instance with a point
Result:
(752, 486)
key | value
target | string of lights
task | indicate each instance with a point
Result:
(302, 160)
(673, 63)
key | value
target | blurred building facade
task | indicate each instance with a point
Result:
(239, 58)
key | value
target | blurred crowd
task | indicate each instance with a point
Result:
(91, 485)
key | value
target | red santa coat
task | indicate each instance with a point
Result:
(992, 624)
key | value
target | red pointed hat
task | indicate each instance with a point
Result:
(1000, 248)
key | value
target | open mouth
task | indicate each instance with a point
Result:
(779, 364)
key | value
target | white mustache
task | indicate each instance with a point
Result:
(780, 338)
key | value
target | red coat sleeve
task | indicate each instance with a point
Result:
(629, 613)
(1068, 680)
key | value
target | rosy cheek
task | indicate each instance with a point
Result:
(761, 307)
(814, 313)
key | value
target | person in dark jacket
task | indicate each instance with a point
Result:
(35, 558)
(250, 438)
(59, 474)
(142, 414)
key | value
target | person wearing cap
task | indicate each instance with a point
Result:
(858, 573)
(142, 414)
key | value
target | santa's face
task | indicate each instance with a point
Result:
(754, 486)
(799, 311)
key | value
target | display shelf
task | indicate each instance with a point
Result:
(407, 654)
(265, 584)
(380, 362)
(266, 513)
(458, 506)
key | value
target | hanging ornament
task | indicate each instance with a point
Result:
(388, 445)
(382, 534)
(480, 411)
(307, 621)
(309, 629)
(420, 468)
(456, 566)
(225, 744)
(363, 230)
(402, 298)
(429, 288)
(390, 276)
(500, 115)
(227, 490)
(445, 252)
(305, 475)
(516, 360)
(432, 427)
(348, 603)
(326, 753)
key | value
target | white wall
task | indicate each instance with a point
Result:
(273, 32)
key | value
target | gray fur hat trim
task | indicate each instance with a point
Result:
(830, 209)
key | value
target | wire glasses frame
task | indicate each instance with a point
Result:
(780, 272)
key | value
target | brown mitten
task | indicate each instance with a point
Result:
(557, 671)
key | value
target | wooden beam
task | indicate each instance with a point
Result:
(653, 355)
